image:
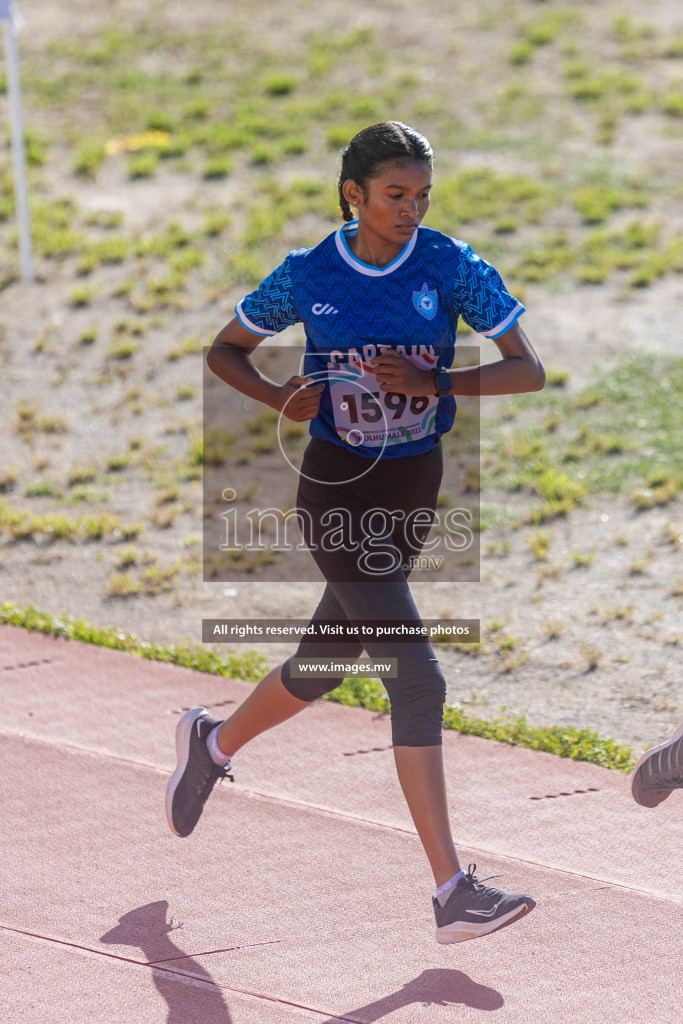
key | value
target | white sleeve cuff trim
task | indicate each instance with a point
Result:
(506, 324)
(246, 322)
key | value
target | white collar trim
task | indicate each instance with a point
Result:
(366, 268)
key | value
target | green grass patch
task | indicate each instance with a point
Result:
(43, 489)
(673, 48)
(8, 479)
(162, 245)
(279, 84)
(583, 454)
(671, 102)
(216, 222)
(88, 336)
(189, 346)
(36, 148)
(578, 744)
(218, 166)
(551, 254)
(482, 194)
(89, 158)
(22, 524)
(52, 228)
(556, 378)
(249, 665)
(107, 251)
(121, 350)
(143, 165)
(81, 296)
(262, 112)
(521, 52)
(81, 474)
(635, 248)
(199, 108)
(595, 203)
(586, 85)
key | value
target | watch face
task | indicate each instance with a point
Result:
(443, 381)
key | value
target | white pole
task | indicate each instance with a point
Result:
(7, 16)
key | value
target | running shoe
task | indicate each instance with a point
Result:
(474, 909)
(659, 771)
(195, 775)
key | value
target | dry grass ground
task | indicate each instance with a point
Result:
(557, 129)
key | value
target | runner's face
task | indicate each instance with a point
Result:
(393, 203)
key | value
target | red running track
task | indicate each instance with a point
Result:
(303, 894)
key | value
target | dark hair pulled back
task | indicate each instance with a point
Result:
(379, 144)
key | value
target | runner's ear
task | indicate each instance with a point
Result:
(353, 193)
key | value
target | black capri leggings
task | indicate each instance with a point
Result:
(364, 554)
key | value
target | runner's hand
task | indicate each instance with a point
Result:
(396, 373)
(298, 402)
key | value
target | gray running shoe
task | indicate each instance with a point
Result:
(474, 909)
(659, 771)
(195, 775)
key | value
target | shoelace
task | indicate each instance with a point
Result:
(206, 784)
(482, 889)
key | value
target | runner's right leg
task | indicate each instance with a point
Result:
(196, 772)
(269, 704)
(277, 698)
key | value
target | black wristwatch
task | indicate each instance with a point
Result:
(442, 381)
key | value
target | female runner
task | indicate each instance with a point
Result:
(379, 299)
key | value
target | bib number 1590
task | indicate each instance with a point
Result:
(371, 410)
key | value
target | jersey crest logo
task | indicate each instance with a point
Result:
(321, 308)
(425, 302)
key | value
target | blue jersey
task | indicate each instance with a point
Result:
(351, 311)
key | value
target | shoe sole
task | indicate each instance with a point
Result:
(464, 931)
(183, 734)
(656, 797)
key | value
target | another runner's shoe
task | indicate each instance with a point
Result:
(474, 909)
(659, 771)
(196, 774)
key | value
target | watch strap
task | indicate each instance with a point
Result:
(442, 380)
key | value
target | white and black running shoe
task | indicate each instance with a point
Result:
(659, 771)
(195, 775)
(474, 909)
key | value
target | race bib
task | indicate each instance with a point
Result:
(366, 415)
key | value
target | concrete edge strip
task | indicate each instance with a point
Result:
(349, 816)
(178, 975)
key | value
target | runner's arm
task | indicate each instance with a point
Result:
(519, 370)
(229, 359)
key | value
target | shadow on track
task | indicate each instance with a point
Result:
(435, 987)
(195, 1000)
